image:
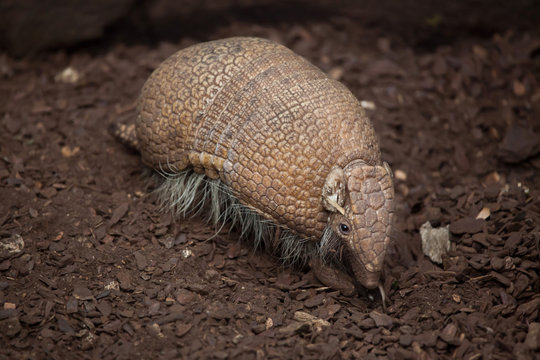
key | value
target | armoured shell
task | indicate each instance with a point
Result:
(276, 138)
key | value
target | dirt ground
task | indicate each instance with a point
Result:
(90, 267)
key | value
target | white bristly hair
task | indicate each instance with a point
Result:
(188, 193)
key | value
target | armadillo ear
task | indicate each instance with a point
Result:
(388, 170)
(333, 192)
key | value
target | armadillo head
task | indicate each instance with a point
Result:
(359, 199)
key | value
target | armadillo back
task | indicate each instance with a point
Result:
(264, 120)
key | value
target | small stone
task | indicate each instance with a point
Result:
(185, 297)
(448, 334)
(313, 321)
(49, 192)
(124, 278)
(167, 242)
(11, 246)
(141, 261)
(88, 340)
(182, 329)
(69, 76)
(112, 285)
(381, 319)
(155, 329)
(211, 274)
(82, 293)
(435, 241)
(186, 253)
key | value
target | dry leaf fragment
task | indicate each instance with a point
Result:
(400, 175)
(484, 213)
(69, 152)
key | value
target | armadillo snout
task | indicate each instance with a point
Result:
(371, 195)
(367, 279)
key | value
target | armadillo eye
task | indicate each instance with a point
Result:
(344, 228)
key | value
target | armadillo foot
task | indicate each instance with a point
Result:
(332, 277)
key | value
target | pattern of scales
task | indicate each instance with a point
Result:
(262, 119)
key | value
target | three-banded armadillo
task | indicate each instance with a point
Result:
(272, 143)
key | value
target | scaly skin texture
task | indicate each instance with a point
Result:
(271, 126)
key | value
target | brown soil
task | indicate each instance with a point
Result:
(105, 274)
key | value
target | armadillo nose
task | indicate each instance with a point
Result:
(365, 277)
(370, 280)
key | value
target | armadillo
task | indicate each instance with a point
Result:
(249, 132)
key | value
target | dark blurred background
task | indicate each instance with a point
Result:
(31, 26)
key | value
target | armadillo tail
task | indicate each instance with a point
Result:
(188, 193)
(125, 133)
